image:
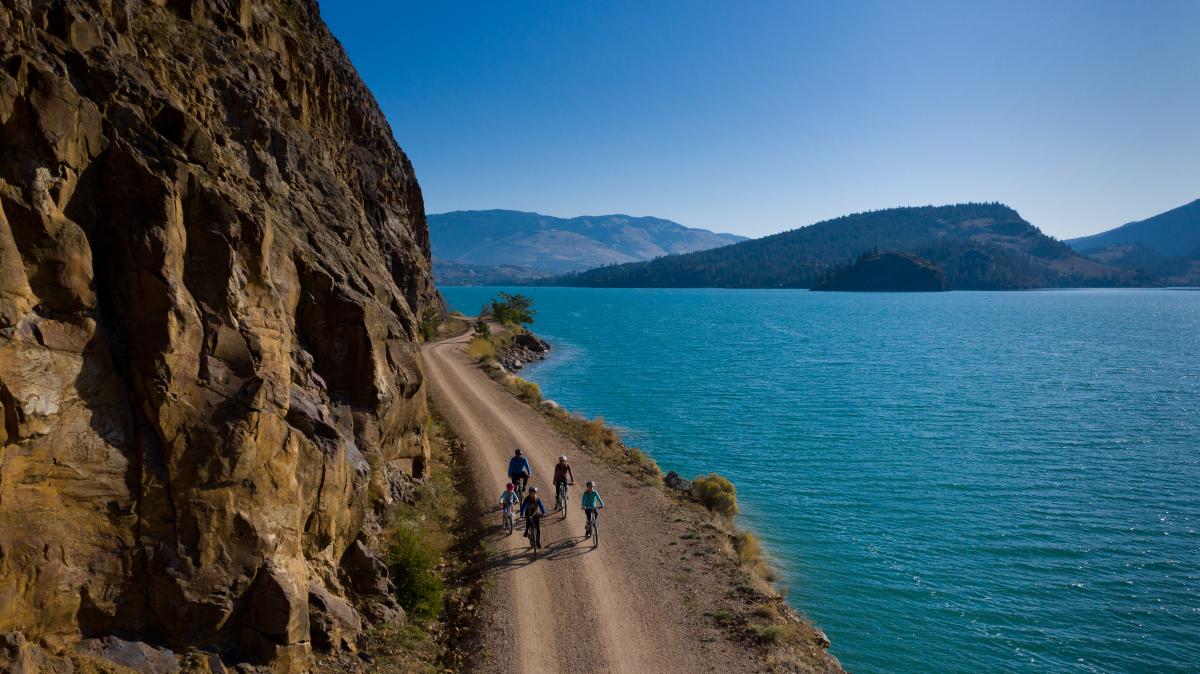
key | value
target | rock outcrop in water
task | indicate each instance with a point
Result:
(211, 255)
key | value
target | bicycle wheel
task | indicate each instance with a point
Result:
(595, 531)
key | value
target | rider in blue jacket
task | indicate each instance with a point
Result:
(519, 470)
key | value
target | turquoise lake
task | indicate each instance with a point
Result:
(949, 482)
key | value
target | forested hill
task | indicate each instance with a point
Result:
(979, 245)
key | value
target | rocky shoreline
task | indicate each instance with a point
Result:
(525, 348)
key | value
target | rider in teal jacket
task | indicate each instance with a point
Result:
(591, 502)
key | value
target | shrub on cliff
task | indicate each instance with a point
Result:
(412, 564)
(482, 349)
(716, 493)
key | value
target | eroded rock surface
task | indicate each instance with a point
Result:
(211, 255)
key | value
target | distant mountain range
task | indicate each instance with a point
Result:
(977, 245)
(451, 273)
(1165, 247)
(545, 245)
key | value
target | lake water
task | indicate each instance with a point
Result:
(950, 482)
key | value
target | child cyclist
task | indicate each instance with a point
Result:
(591, 503)
(532, 509)
(509, 498)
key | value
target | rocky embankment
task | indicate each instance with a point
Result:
(524, 349)
(888, 272)
(212, 257)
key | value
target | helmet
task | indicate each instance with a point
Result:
(533, 490)
(591, 483)
(563, 457)
(510, 486)
(518, 452)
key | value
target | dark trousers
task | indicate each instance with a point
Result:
(534, 522)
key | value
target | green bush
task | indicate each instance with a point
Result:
(513, 309)
(412, 565)
(716, 493)
(431, 318)
(482, 329)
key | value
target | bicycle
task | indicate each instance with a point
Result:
(535, 535)
(507, 521)
(560, 498)
(594, 525)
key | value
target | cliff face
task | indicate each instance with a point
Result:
(211, 255)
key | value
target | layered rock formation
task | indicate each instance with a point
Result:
(212, 252)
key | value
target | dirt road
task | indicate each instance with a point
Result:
(637, 603)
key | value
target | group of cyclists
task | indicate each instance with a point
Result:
(532, 508)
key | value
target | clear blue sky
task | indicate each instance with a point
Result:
(755, 117)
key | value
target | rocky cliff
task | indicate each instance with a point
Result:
(211, 255)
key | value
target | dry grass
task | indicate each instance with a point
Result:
(601, 440)
(481, 349)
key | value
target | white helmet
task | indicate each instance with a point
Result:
(563, 457)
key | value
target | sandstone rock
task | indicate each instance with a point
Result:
(334, 624)
(136, 655)
(212, 254)
(364, 571)
(18, 656)
(532, 342)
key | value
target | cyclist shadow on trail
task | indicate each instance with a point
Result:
(512, 552)
(566, 548)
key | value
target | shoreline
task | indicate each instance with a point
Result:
(778, 620)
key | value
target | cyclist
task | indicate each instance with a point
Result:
(532, 510)
(519, 470)
(591, 502)
(562, 474)
(509, 498)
